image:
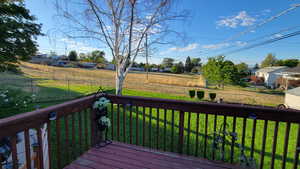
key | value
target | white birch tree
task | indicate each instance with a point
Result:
(122, 25)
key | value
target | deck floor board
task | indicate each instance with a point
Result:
(120, 155)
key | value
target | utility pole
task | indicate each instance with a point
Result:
(147, 63)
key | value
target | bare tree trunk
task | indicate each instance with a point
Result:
(119, 80)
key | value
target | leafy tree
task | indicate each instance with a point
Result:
(229, 72)
(18, 34)
(72, 55)
(243, 69)
(168, 62)
(82, 56)
(188, 65)
(196, 62)
(219, 71)
(52, 54)
(97, 56)
(288, 62)
(270, 60)
(177, 68)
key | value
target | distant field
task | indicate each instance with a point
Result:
(165, 83)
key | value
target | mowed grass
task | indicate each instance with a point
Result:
(165, 83)
(158, 130)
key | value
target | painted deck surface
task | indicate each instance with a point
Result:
(120, 155)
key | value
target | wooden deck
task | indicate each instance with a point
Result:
(120, 155)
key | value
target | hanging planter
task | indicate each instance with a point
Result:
(102, 120)
(103, 123)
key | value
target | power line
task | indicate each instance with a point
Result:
(264, 43)
(256, 39)
(259, 25)
(263, 22)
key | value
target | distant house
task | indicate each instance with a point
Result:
(166, 69)
(270, 75)
(137, 69)
(290, 78)
(41, 59)
(60, 63)
(154, 69)
(292, 98)
(87, 65)
(110, 66)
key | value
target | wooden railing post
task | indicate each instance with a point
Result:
(181, 134)
(93, 128)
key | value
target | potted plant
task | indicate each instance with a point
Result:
(212, 96)
(192, 93)
(103, 122)
(200, 94)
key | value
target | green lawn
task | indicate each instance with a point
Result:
(53, 89)
(192, 137)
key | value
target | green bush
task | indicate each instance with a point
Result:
(212, 96)
(200, 94)
(14, 101)
(192, 93)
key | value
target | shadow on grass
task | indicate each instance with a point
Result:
(165, 137)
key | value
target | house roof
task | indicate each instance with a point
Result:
(293, 70)
(271, 69)
(295, 91)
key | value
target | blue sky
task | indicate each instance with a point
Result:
(210, 24)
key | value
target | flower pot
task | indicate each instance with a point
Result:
(212, 96)
(200, 95)
(192, 93)
(102, 127)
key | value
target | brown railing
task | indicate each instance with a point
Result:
(70, 132)
(215, 131)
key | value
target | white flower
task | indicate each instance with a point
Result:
(2, 95)
(6, 100)
(101, 103)
(105, 121)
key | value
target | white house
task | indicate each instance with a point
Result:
(292, 98)
(270, 74)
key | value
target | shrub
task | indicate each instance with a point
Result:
(192, 93)
(200, 94)
(212, 96)
(14, 101)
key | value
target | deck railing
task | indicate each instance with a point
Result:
(225, 132)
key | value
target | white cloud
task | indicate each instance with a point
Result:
(277, 35)
(240, 43)
(241, 19)
(215, 46)
(78, 46)
(189, 47)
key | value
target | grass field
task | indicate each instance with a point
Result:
(171, 84)
(46, 85)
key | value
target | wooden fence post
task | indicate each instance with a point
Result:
(181, 132)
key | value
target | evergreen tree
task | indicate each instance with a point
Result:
(188, 65)
(72, 55)
(18, 34)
